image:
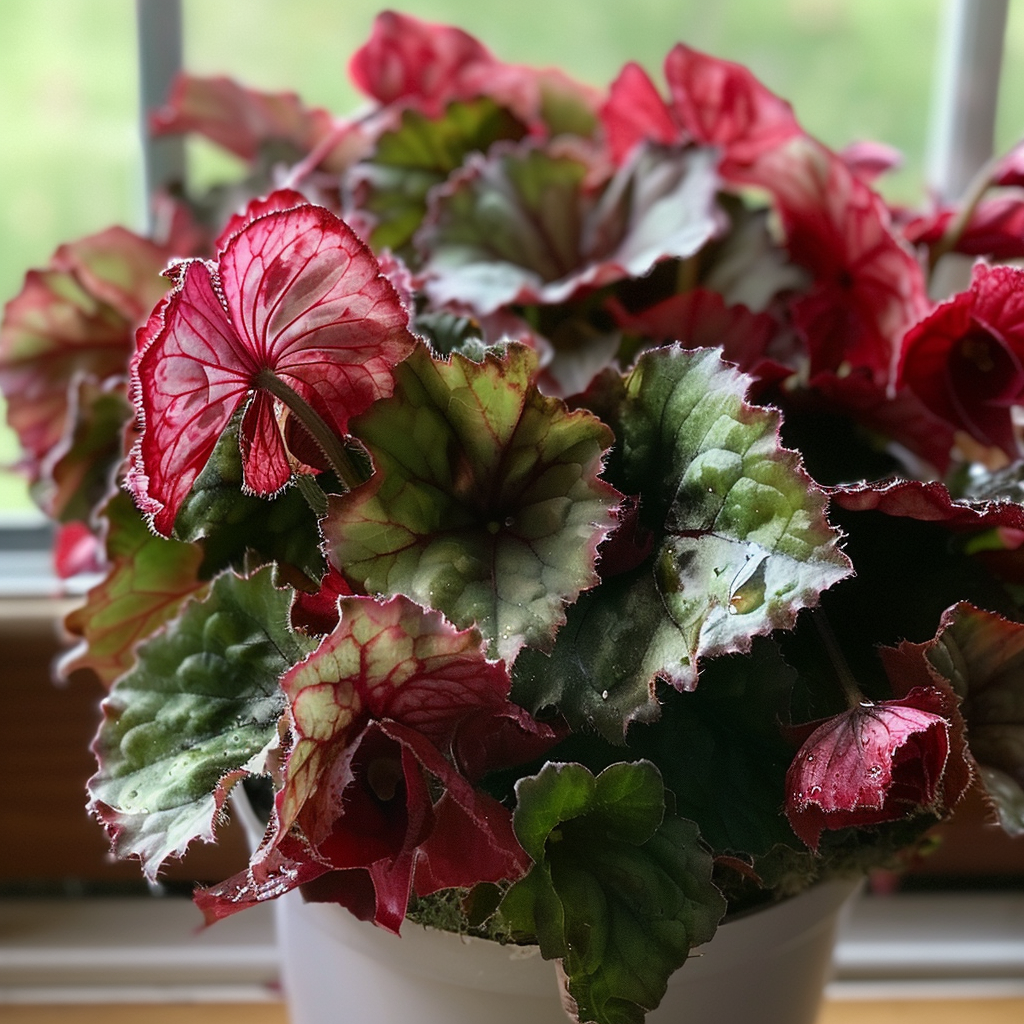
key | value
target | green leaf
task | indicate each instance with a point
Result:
(619, 891)
(199, 710)
(485, 504)
(238, 530)
(421, 153)
(148, 580)
(722, 753)
(740, 545)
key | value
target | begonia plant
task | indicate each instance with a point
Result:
(566, 510)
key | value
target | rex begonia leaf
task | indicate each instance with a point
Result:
(83, 466)
(528, 225)
(294, 298)
(75, 319)
(930, 501)
(722, 753)
(392, 660)
(148, 579)
(486, 502)
(250, 123)
(198, 711)
(392, 717)
(981, 655)
(234, 526)
(712, 102)
(619, 891)
(740, 543)
(410, 160)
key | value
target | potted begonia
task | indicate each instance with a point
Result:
(564, 510)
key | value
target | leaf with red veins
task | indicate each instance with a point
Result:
(980, 655)
(393, 698)
(872, 764)
(294, 294)
(723, 105)
(867, 287)
(75, 319)
(486, 503)
(412, 63)
(965, 360)
(397, 661)
(248, 122)
(384, 831)
(147, 580)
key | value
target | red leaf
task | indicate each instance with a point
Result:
(414, 63)
(391, 717)
(930, 502)
(244, 121)
(293, 293)
(965, 360)
(635, 112)
(713, 103)
(872, 764)
(74, 320)
(867, 287)
(418, 62)
(723, 105)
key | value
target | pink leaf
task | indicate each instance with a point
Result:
(722, 104)
(867, 287)
(635, 112)
(872, 764)
(293, 294)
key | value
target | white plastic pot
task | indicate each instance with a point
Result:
(769, 966)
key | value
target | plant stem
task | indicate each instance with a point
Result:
(854, 694)
(326, 440)
(973, 194)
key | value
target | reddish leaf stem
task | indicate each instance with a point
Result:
(326, 440)
(854, 695)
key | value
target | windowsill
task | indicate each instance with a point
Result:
(906, 946)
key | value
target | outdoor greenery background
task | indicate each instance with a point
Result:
(69, 158)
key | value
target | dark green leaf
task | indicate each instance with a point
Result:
(239, 530)
(618, 891)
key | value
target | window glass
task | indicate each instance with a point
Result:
(69, 153)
